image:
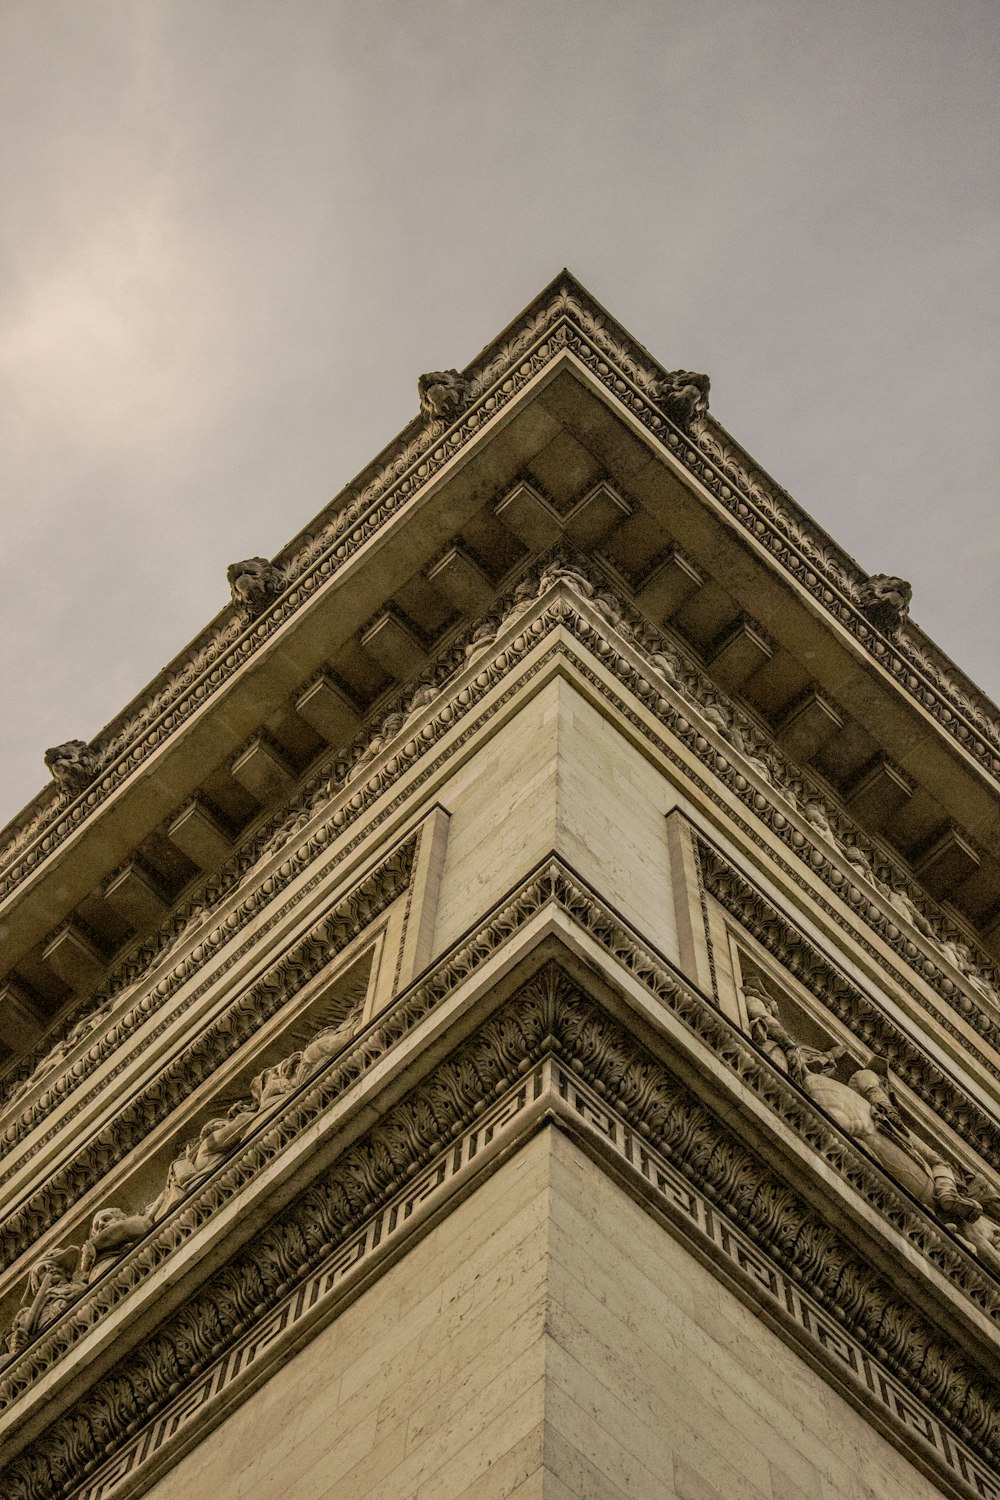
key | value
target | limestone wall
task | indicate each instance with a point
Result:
(558, 776)
(548, 1339)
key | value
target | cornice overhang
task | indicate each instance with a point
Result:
(563, 631)
(339, 571)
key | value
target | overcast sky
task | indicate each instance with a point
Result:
(232, 235)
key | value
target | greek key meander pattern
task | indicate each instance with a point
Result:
(567, 321)
(554, 883)
(558, 886)
(549, 1015)
(675, 711)
(551, 1089)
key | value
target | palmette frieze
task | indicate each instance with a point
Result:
(554, 885)
(565, 321)
(548, 1018)
(893, 908)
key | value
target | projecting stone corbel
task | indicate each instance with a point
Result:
(74, 957)
(20, 1019)
(460, 580)
(394, 645)
(136, 896)
(197, 833)
(595, 515)
(531, 518)
(673, 581)
(739, 652)
(262, 770)
(328, 710)
(947, 862)
(878, 793)
(808, 724)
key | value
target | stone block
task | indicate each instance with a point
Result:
(328, 710)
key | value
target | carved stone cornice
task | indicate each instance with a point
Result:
(553, 886)
(549, 1052)
(734, 751)
(564, 319)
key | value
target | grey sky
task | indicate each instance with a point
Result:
(233, 234)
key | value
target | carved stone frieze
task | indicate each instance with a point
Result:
(697, 697)
(213, 1044)
(866, 1107)
(600, 1073)
(564, 319)
(222, 1136)
(868, 1021)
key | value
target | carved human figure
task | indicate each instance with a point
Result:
(963, 958)
(254, 582)
(275, 1082)
(563, 572)
(442, 393)
(885, 601)
(52, 1285)
(815, 814)
(181, 1173)
(983, 1234)
(324, 1045)
(389, 728)
(424, 695)
(768, 1031)
(683, 394)
(112, 1232)
(73, 765)
(866, 1108)
(222, 1134)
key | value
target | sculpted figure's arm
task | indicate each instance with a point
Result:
(112, 1232)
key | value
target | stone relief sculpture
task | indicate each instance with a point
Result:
(254, 583)
(885, 601)
(73, 765)
(50, 1289)
(60, 1276)
(442, 393)
(683, 394)
(866, 1107)
(112, 1231)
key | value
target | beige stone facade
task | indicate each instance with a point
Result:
(511, 1010)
